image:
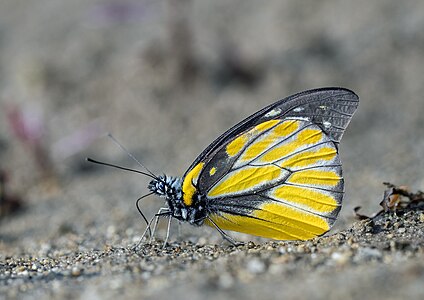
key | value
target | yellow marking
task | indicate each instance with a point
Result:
(281, 130)
(307, 158)
(249, 226)
(264, 126)
(279, 152)
(309, 136)
(307, 198)
(188, 189)
(255, 149)
(212, 171)
(235, 146)
(315, 177)
(281, 214)
(286, 128)
(245, 179)
(274, 221)
(303, 138)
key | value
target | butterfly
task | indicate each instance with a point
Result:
(277, 174)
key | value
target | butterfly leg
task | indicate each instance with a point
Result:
(225, 235)
(163, 211)
(167, 233)
(144, 233)
(160, 212)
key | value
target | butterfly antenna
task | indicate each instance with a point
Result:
(130, 155)
(119, 167)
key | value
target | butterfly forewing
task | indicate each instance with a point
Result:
(277, 174)
(341, 104)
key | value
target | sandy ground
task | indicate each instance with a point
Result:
(166, 78)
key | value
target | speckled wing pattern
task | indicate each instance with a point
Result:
(277, 174)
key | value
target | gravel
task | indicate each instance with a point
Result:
(52, 269)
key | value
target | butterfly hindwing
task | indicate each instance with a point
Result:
(277, 174)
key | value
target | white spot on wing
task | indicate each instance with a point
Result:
(299, 109)
(326, 124)
(273, 112)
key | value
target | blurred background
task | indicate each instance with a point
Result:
(167, 77)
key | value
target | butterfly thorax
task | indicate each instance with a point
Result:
(170, 188)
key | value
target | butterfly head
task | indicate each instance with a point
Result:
(167, 187)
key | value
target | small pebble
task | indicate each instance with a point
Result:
(282, 250)
(76, 271)
(250, 245)
(225, 280)
(256, 266)
(24, 273)
(366, 253)
(340, 258)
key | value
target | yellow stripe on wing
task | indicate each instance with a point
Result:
(302, 224)
(237, 145)
(248, 225)
(309, 157)
(282, 140)
(272, 137)
(311, 177)
(246, 179)
(264, 126)
(311, 200)
(274, 220)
